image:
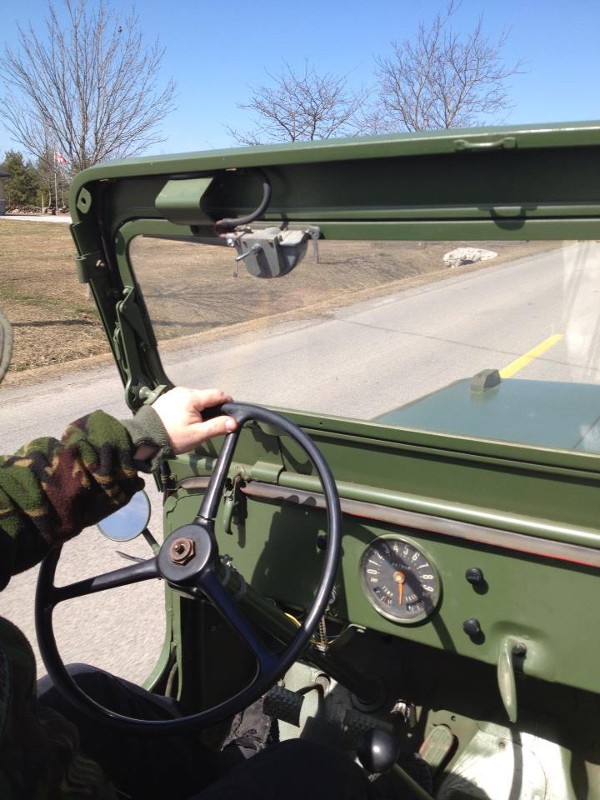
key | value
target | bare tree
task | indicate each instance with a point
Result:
(301, 106)
(442, 79)
(88, 88)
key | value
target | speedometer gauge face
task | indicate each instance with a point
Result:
(399, 580)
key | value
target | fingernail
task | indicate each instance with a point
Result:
(231, 424)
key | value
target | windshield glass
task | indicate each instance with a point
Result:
(496, 340)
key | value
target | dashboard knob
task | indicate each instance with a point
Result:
(471, 627)
(475, 576)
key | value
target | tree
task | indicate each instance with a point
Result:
(87, 89)
(301, 106)
(22, 186)
(442, 79)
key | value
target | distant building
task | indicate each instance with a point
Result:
(3, 175)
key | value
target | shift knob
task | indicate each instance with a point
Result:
(377, 750)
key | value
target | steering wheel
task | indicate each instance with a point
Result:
(189, 559)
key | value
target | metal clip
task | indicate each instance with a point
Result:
(231, 498)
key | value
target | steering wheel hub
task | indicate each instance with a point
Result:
(182, 551)
(188, 553)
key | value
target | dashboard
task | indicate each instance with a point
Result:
(461, 588)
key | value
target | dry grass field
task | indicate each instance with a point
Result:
(53, 321)
(190, 289)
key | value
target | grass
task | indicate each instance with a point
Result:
(53, 321)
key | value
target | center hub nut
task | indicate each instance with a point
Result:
(182, 550)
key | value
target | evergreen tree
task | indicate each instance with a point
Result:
(21, 188)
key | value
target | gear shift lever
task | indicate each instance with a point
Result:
(378, 752)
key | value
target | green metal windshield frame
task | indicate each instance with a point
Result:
(511, 183)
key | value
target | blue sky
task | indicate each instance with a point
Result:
(216, 51)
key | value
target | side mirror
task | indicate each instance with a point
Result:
(128, 522)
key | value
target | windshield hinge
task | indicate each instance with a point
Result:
(148, 395)
(130, 339)
(88, 265)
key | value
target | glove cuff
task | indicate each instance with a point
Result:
(147, 428)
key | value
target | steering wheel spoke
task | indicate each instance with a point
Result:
(226, 605)
(142, 571)
(214, 490)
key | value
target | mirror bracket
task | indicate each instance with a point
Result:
(271, 252)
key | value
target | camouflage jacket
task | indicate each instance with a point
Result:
(49, 491)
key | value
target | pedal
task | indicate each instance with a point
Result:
(437, 747)
(284, 705)
(356, 724)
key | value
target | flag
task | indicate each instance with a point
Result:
(60, 159)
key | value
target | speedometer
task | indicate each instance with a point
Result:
(399, 579)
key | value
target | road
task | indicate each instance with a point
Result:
(65, 219)
(358, 361)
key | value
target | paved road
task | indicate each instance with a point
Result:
(61, 218)
(359, 361)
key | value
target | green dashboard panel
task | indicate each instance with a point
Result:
(468, 511)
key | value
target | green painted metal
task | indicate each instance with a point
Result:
(396, 177)
(520, 601)
(565, 413)
(510, 647)
(181, 201)
(509, 494)
(552, 494)
(531, 137)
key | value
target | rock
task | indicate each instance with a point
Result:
(467, 255)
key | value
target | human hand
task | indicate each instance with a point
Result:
(180, 411)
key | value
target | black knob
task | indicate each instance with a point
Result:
(377, 750)
(472, 627)
(475, 576)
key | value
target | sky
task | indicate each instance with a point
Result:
(216, 51)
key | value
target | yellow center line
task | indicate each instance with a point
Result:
(523, 360)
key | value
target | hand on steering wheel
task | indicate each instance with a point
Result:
(189, 558)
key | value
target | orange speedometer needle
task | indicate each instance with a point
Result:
(399, 578)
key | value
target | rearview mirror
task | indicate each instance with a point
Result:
(271, 252)
(128, 522)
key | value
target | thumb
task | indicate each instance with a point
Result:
(218, 426)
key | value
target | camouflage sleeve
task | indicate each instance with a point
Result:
(50, 490)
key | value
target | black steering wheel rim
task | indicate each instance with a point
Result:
(271, 666)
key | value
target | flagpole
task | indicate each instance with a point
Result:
(54, 162)
(58, 159)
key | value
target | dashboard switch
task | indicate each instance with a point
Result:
(475, 576)
(472, 627)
